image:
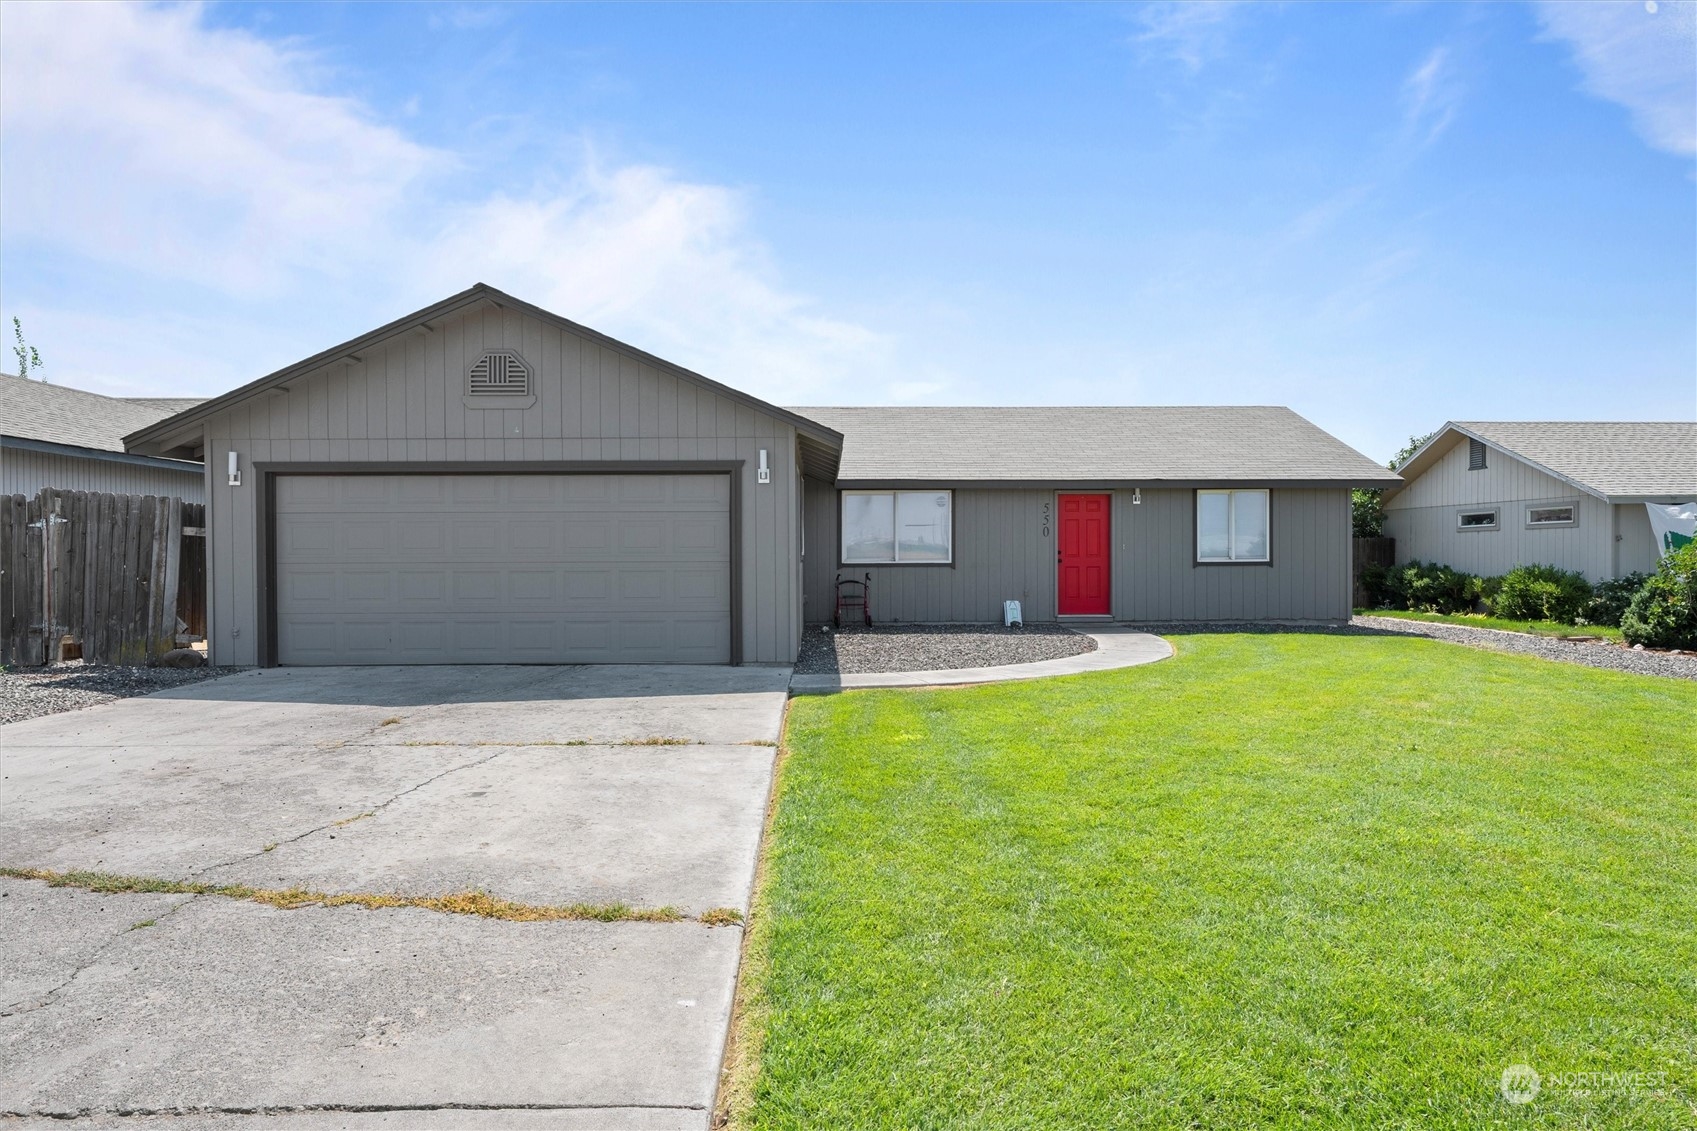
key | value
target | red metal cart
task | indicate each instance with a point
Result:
(853, 595)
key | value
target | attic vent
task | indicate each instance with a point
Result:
(498, 373)
(1475, 455)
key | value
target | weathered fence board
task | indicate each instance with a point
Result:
(1365, 552)
(114, 572)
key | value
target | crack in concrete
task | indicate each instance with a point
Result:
(351, 1108)
(372, 812)
(51, 997)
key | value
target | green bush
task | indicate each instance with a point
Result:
(1541, 592)
(1610, 598)
(1663, 614)
(1431, 588)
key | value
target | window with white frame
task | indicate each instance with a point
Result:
(1551, 516)
(1476, 520)
(1233, 526)
(894, 527)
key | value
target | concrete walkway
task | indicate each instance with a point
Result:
(1116, 647)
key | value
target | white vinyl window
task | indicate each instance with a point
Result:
(1476, 520)
(1550, 516)
(898, 527)
(1233, 526)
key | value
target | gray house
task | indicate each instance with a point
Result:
(55, 436)
(484, 481)
(1484, 497)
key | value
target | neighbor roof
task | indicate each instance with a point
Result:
(1615, 460)
(58, 414)
(1141, 445)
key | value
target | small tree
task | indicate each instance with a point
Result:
(1367, 505)
(28, 359)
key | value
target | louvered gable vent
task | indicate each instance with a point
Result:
(499, 373)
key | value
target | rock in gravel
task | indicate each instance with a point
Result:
(930, 647)
(183, 658)
(29, 693)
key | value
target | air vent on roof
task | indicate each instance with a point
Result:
(1475, 455)
(498, 373)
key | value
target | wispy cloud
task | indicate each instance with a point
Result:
(1642, 55)
(1193, 32)
(142, 140)
(1431, 95)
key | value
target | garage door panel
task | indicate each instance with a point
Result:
(503, 569)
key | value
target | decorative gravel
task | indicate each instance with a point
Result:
(29, 693)
(1598, 654)
(1595, 654)
(932, 647)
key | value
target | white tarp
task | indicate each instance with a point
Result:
(1675, 525)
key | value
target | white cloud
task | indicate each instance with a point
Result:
(139, 136)
(1640, 55)
(1430, 97)
(209, 161)
(1193, 32)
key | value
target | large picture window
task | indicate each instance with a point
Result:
(898, 527)
(1233, 526)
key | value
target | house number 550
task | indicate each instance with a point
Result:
(1046, 520)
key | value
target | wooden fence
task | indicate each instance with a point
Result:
(1369, 551)
(122, 575)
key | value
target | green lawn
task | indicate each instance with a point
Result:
(1535, 627)
(1278, 881)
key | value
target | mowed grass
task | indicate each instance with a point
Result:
(1277, 881)
(1470, 620)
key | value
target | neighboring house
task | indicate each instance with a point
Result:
(484, 481)
(54, 436)
(1486, 497)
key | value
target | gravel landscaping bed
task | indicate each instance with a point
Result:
(932, 647)
(29, 693)
(1595, 654)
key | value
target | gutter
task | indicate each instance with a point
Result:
(47, 447)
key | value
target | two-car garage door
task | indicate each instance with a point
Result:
(441, 569)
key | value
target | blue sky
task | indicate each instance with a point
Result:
(1382, 216)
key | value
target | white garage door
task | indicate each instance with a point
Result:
(503, 569)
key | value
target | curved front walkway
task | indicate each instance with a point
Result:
(1116, 647)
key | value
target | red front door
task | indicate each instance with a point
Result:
(1082, 567)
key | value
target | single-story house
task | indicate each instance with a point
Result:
(485, 481)
(1484, 497)
(55, 436)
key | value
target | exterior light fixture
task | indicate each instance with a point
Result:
(235, 470)
(764, 473)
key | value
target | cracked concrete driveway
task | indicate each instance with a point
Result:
(644, 786)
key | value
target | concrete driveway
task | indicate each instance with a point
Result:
(644, 786)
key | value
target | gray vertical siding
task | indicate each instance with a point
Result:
(1635, 540)
(25, 472)
(403, 402)
(1001, 553)
(1422, 519)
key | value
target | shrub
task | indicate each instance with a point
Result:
(1431, 588)
(1541, 592)
(1378, 587)
(1610, 598)
(1663, 613)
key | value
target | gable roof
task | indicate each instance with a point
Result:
(820, 444)
(1616, 461)
(58, 414)
(1132, 445)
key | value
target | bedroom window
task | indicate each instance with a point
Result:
(1476, 520)
(1233, 526)
(1551, 516)
(898, 527)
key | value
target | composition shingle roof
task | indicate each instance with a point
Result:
(1610, 457)
(1116, 444)
(57, 414)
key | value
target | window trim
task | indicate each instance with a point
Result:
(842, 559)
(1463, 528)
(1196, 526)
(1571, 520)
